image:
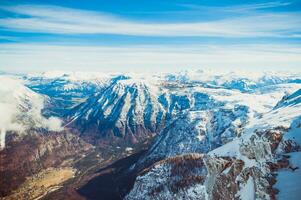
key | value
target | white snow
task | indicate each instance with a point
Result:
(129, 149)
(288, 181)
(198, 191)
(247, 191)
(294, 133)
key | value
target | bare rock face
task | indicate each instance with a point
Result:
(252, 170)
(222, 172)
(230, 181)
(262, 143)
(29, 154)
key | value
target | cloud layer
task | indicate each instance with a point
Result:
(61, 20)
(21, 109)
(153, 58)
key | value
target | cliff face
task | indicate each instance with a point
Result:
(27, 155)
(249, 173)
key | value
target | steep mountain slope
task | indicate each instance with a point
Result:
(197, 132)
(246, 168)
(111, 106)
(123, 109)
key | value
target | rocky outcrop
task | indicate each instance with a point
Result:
(253, 173)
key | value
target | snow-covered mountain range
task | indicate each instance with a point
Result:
(211, 133)
(135, 105)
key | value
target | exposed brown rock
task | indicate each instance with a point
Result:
(225, 185)
(290, 146)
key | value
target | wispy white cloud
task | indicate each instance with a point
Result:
(66, 21)
(259, 6)
(239, 8)
(38, 57)
(60, 20)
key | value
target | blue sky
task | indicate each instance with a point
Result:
(139, 35)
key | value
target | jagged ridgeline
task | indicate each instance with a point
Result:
(134, 106)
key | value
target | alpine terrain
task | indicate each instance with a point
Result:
(185, 135)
